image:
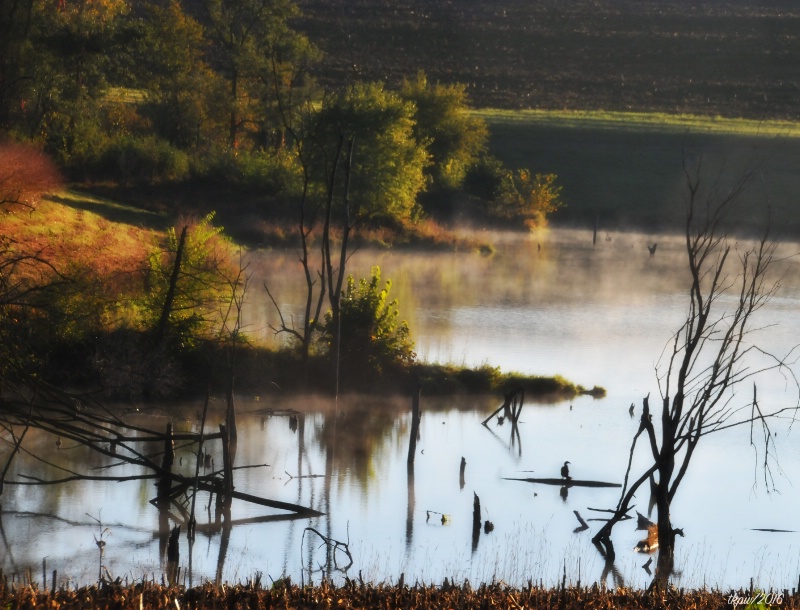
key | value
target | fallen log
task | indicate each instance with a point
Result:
(302, 511)
(565, 482)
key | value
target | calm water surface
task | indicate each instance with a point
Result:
(545, 304)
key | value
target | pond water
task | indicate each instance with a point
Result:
(543, 304)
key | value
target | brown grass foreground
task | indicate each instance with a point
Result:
(353, 595)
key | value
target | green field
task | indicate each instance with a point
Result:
(627, 169)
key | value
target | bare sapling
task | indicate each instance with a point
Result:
(712, 353)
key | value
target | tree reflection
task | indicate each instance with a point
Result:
(356, 438)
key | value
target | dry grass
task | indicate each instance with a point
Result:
(359, 595)
(67, 237)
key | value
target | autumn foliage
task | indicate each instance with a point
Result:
(25, 175)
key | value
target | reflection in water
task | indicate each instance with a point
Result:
(514, 437)
(224, 525)
(596, 316)
(173, 555)
(410, 507)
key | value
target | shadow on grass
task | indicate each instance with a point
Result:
(113, 211)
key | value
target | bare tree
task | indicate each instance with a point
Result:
(319, 163)
(707, 359)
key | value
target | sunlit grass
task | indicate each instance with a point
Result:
(125, 95)
(641, 121)
(65, 235)
(626, 170)
(111, 210)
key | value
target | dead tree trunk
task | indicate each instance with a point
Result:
(412, 440)
(230, 424)
(227, 468)
(164, 486)
(166, 310)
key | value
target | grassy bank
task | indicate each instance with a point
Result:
(626, 170)
(651, 122)
(150, 596)
(260, 371)
(706, 57)
(107, 244)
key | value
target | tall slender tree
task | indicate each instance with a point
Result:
(245, 35)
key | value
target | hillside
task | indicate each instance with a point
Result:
(735, 58)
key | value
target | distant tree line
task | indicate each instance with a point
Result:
(153, 92)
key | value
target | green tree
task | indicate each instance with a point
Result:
(15, 27)
(373, 338)
(528, 198)
(77, 43)
(247, 36)
(453, 137)
(191, 282)
(181, 90)
(388, 162)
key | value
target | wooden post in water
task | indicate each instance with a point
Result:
(461, 473)
(173, 554)
(476, 521)
(412, 441)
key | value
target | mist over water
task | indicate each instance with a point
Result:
(549, 303)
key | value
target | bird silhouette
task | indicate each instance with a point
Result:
(631, 409)
(652, 248)
(565, 470)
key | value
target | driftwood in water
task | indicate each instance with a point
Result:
(237, 495)
(610, 511)
(565, 482)
(173, 548)
(304, 476)
(101, 430)
(511, 407)
(584, 526)
(334, 545)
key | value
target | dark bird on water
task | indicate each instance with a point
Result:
(631, 409)
(565, 470)
(652, 248)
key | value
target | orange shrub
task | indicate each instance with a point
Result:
(25, 175)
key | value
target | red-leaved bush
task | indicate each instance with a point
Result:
(25, 175)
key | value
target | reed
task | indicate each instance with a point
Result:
(355, 593)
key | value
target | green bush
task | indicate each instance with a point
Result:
(373, 339)
(484, 179)
(144, 160)
(268, 173)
